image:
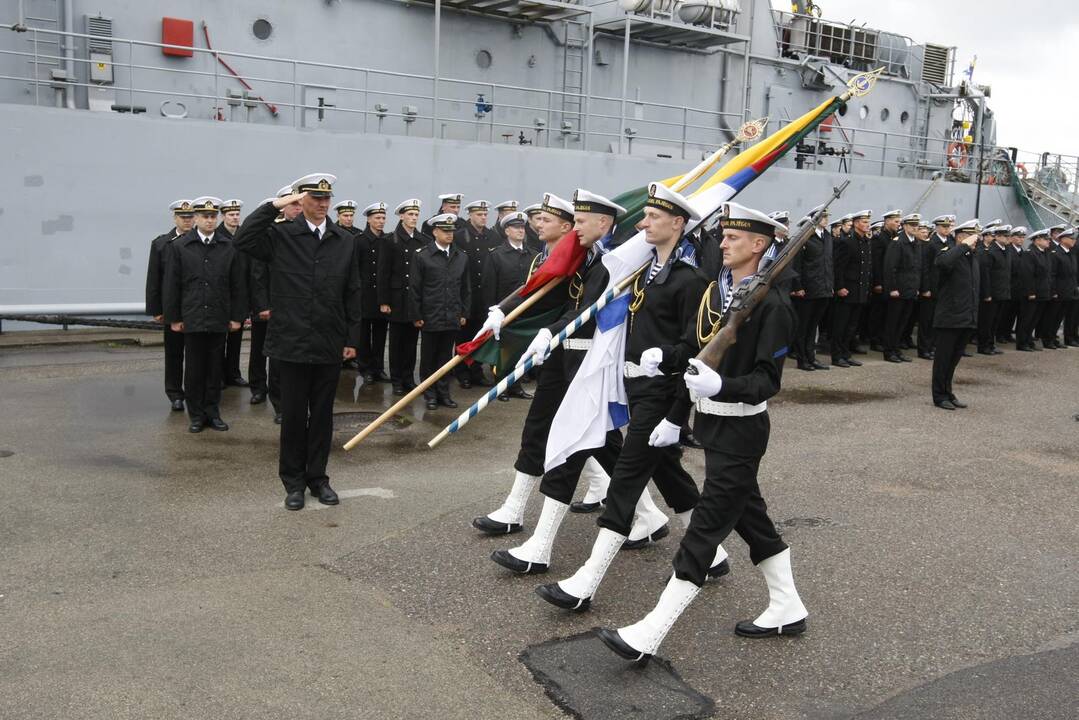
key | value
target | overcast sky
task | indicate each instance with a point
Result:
(1027, 51)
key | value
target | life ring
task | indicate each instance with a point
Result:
(958, 155)
(1022, 170)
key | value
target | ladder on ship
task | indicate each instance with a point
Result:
(574, 48)
(46, 49)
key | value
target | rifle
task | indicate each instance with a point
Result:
(749, 296)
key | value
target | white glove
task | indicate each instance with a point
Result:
(538, 349)
(666, 433)
(705, 383)
(495, 316)
(650, 360)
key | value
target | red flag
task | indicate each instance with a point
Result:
(563, 261)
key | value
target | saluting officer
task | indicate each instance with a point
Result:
(733, 425)
(901, 278)
(263, 384)
(314, 325)
(204, 298)
(853, 274)
(394, 272)
(447, 203)
(478, 241)
(957, 311)
(504, 272)
(440, 296)
(372, 350)
(940, 241)
(183, 219)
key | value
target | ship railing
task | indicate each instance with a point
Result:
(1056, 175)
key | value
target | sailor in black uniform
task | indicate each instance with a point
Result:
(1054, 309)
(875, 321)
(372, 350)
(853, 274)
(996, 290)
(440, 296)
(505, 270)
(939, 242)
(1005, 332)
(956, 315)
(812, 292)
(532, 239)
(504, 208)
(1033, 289)
(447, 203)
(1065, 288)
(204, 298)
(346, 217)
(733, 425)
(660, 340)
(901, 275)
(230, 223)
(394, 272)
(183, 219)
(314, 325)
(478, 241)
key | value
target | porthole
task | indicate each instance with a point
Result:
(903, 117)
(262, 29)
(483, 59)
(863, 112)
(884, 113)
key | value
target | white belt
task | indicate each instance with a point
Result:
(726, 409)
(577, 343)
(633, 370)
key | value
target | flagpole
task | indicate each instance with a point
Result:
(456, 360)
(749, 131)
(524, 367)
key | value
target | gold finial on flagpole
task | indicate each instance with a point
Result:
(862, 83)
(751, 131)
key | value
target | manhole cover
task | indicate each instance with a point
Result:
(586, 680)
(806, 522)
(356, 421)
(6, 453)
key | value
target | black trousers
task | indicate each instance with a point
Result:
(230, 361)
(174, 364)
(403, 336)
(810, 313)
(550, 389)
(1071, 321)
(897, 315)
(639, 462)
(950, 345)
(1005, 320)
(436, 349)
(1030, 313)
(926, 308)
(874, 318)
(307, 395)
(473, 372)
(202, 373)
(261, 382)
(844, 325)
(731, 501)
(372, 349)
(987, 324)
(1050, 321)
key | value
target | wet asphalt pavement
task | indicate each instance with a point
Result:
(147, 572)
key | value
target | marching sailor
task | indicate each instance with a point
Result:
(732, 424)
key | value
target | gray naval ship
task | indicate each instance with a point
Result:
(113, 108)
(148, 573)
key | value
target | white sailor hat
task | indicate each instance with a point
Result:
(913, 218)
(808, 217)
(1069, 232)
(925, 226)
(316, 184)
(532, 209)
(663, 198)
(268, 200)
(478, 205)
(378, 207)
(506, 205)
(287, 190)
(846, 218)
(587, 202)
(838, 221)
(1055, 228)
(739, 217)
(450, 198)
(206, 203)
(406, 205)
(1039, 234)
(944, 220)
(781, 216)
(892, 213)
(1018, 230)
(861, 214)
(970, 226)
(443, 221)
(993, 223)
(1004, 229)
(514, 218)
(345, 206)
(181, 207)
(230, 205)
(559, 207)
(876, 224)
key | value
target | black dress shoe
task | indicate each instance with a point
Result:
(985, 351)
(508, 561)
(1024, 348)
(840, 363)
(892, 358)
(805, 366)
(465, 384)
(258, 398)
(503, 398)
(583, 507)
(958, 404)
(820, 366)
(925, 356)
(520, 393)
(432, 405)
(489, 527)
(398, 390)
(177, 405)
(277, 418)
(218, 424)
(718, 571)
(854, 363)
(689, 440)
(196, 426)
(945, 405)
(614, 641)
(294, 501)
(657, 535)
(447, 402)
(560, 598)
(746, 628)
(903, 358)
(325, 494)
(236, 382)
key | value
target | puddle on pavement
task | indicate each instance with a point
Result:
(830, 396)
